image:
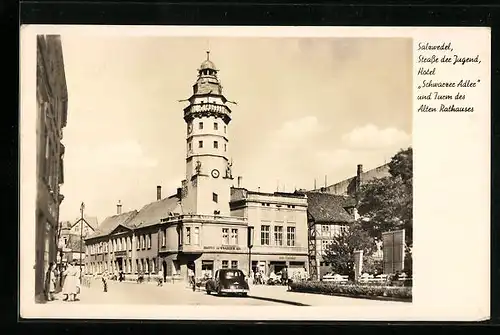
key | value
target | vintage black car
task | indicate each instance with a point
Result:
(228, 281)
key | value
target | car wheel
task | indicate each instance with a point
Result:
(244, 295)
(219, 293)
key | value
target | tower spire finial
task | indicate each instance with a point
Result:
(208, 55)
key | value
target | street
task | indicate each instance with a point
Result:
(181, 294)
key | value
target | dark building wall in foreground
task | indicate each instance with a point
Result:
(51, 119)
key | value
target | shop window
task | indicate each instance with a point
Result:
(234, 264)
(225, 264)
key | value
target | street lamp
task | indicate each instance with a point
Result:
(250, 245)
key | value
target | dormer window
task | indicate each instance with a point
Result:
(216, 126)
(200, 125)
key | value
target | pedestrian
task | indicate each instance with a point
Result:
(192, 279)
(71, 282)
(160, 278)
(51, 280)
(284, 276)
(105, 281)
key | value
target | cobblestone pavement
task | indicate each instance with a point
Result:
(181, 294)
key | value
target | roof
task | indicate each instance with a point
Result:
(329, 208)
(152, 213)
(75, 244)
(207, 64)
(111, 222)
(92, 221)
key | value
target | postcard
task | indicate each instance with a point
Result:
(255, 173)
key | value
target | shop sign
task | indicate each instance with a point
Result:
(287, 257)
(222, 247)
(120, 253)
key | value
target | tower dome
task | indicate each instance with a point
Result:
(207, 64)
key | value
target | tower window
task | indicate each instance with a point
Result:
(225, 128)
(190, 146)
(200, 144)
(216, 126)
(200, 125)
(216, 145)
(215, 197)
(225, 147)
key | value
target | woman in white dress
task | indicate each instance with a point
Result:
(71, 282)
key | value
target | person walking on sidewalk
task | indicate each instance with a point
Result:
(192, 280)
(51, 280)
(160, 277)
(105, 281)
(284, 276)
(71, 282)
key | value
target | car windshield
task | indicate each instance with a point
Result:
(231, 274)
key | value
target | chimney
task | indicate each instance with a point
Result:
(158, 192)
(179, 192)
(119, 207)
(240, 178)
(360, 169)
(359, 174)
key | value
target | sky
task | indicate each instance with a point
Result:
(306, 108)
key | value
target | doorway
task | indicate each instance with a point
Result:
(276, 266)
(119, 260)
(164, 268)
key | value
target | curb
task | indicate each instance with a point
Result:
(380, 298)
(288, 302)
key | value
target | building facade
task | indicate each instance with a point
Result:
(205, 225)
(279, 222)
(51, 119)
(71, 239)
(328, 214)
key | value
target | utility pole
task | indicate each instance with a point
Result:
(82, 207)
(81, 221)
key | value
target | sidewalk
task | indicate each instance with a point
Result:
(281, 294)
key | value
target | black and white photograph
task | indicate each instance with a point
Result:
(223, 171)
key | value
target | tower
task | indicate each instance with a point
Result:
(206, 189)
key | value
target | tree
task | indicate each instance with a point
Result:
(372, 265)
(340, 253)
(386, 204)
